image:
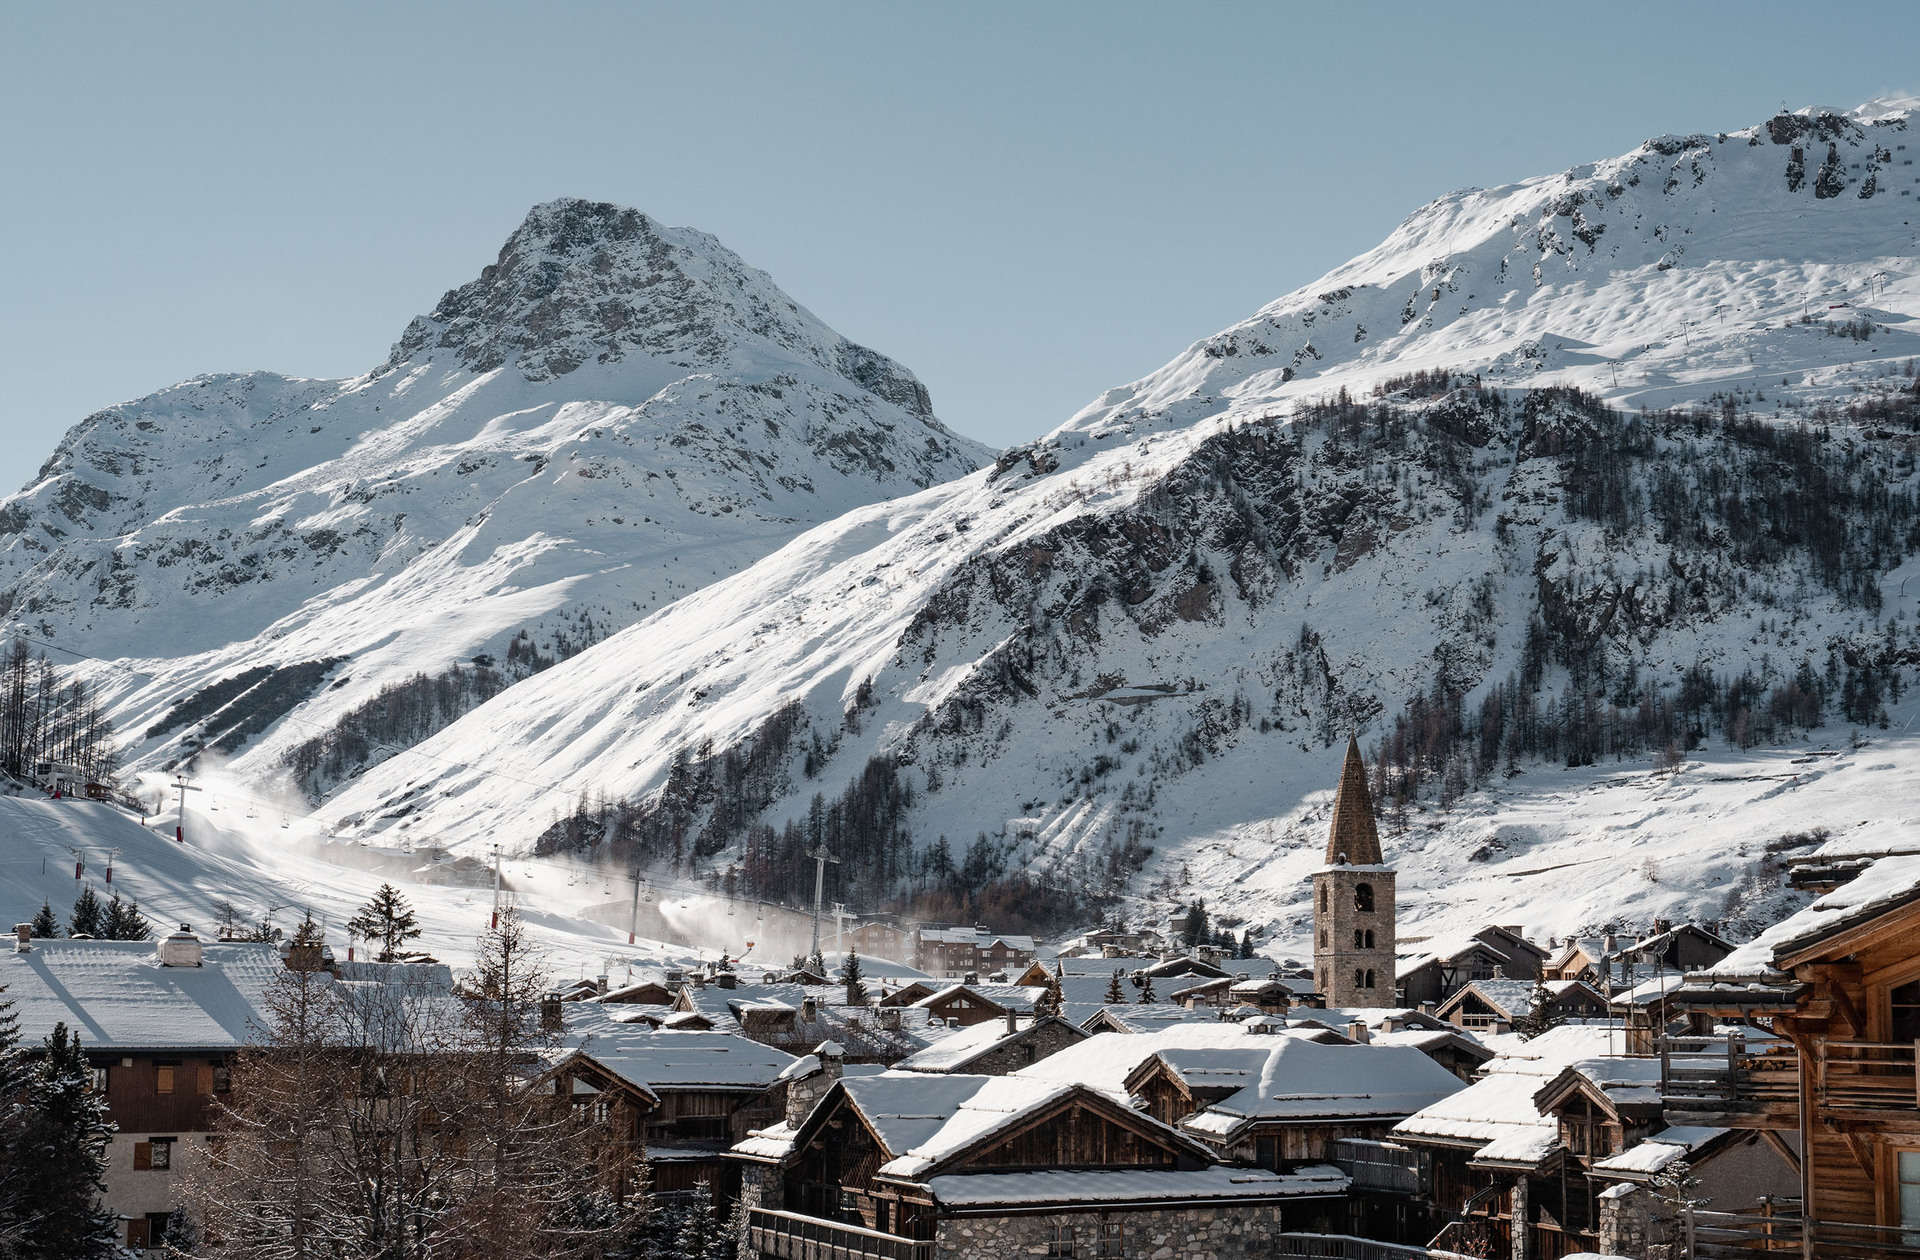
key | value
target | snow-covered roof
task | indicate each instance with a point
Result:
(1649, 993)
(1104, 1061)
(1499, 1108)
(1627, 1080)
(1290, 1078)
(1885, 885)
(117, 996)
(1445, 947)
(667, 1059)
(1143, 1017)
(1659, 1151)
(1086, 1186)
(953, 1052)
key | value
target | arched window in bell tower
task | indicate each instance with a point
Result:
(1363, 898)
(1367, 981)
(1367, 936)
(1323, 898)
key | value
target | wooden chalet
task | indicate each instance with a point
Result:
(996, 1049)
(1819, 1019)
(686, 1097)
(1497, 1005)
(1432, 969)
(910, 1166)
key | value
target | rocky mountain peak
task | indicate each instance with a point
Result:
(592, 282)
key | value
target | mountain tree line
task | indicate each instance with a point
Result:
(43, 718)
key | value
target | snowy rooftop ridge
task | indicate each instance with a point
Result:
(118, 996)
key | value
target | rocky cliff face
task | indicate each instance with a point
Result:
(613, 414)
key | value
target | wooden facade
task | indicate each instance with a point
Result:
(1840, 1082)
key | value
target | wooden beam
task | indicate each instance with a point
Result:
(1780, 1148)
(1862, 1151)
(1843, 1002)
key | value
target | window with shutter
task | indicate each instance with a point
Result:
(206, 1078)
(138, 1234)
(142, 1156)
(163, 1078)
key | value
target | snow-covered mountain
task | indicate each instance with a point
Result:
(1375, 505)
(613, 414)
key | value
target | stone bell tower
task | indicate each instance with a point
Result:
(1353, 901)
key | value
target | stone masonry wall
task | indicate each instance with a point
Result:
(1227, 1232)
(1030, 1049)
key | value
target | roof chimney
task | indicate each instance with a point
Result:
(809, 1010)
(1499, 971)
(23, 938)
(1357, 1032)
(1012, 1027)
(552, 1017)
(1610, 944)
(833, 1059)
(181, 949)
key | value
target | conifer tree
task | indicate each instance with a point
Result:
(124, 922)
(697, 1226)
(1146, 991)
(1114, 992)
(87, 918)
(14, 1076)
(387, 919)
(45, 926)
(850, 972)
(63, 1154)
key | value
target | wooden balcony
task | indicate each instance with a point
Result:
(1725, 1081)
(1383, 1167)
(791, 1236)
(1867, 1076)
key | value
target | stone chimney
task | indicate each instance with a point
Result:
(304, 955)
(1499, 972)
(806, 1090)
(1610, 944)
(1357, 1032)
(809, 1010)
(727, 980)
(181, 949)
(552, 1017)
(1662, 925)
(1012, 1025)
(1427, 1008)
(600, 984)
(23, 938)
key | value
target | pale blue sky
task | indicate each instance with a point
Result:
(1024, 203)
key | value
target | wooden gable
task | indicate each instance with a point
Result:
(908, 994)
(1083, 1129)
(647, 993)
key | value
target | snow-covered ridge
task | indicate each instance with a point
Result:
(613, 414)
(1145, 628)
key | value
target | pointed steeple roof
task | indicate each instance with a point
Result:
(1353, 839)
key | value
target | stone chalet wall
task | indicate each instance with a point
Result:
(1225, 1232)
(1011, 1058)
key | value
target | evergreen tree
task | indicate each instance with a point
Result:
(387, 919)
(88, 918)
(14, 1076)
(1115, 993)
(63, 1154)
(1246, 944)
(817, 963)
(856, 992)
(1049, 1004)
(124, 922)
(1195, 926)
(1539, 1017)
(1146, 990)
(45, 926)
(697, 1226)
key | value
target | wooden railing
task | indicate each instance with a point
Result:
(1346, 1247)
(791, 1236)
(1381, 1166)
(1731, 1235)
(1711, 1072)
(1868, 1076)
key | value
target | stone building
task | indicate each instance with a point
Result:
(922, 1166)
(1353, 900)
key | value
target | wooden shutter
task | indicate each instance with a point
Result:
(143, 1158)
(138, 1234)
(163, 1079)
(206, 1078)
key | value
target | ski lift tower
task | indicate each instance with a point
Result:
(820, 857)
(181, 786)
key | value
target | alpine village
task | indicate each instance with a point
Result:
(1429, 772)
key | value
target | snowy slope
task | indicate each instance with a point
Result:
(613, 414)
(1104, 640)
